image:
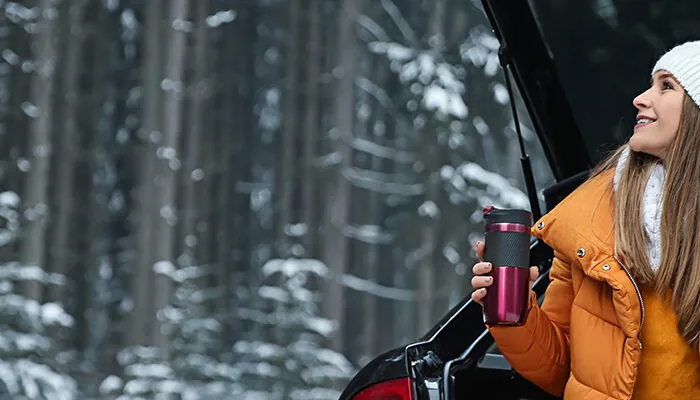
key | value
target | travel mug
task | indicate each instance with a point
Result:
(507, 248)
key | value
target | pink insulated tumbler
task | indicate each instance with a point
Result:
(507, 248)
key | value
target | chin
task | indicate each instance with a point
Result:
(638, 146)
(635, 144)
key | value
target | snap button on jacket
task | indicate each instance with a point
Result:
(583, 342)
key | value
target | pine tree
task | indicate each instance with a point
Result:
(295, 364)
(32, 363)
(196, 369)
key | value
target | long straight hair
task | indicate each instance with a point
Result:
(679, 272)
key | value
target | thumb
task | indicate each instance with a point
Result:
(534, 274)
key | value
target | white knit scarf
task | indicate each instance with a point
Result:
(653, 204)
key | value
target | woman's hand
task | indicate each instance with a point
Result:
(481, 281)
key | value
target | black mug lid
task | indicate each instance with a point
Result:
(494, 215)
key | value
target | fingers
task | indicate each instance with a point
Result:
(481, 268)
(478, 295)
(479, 282)
(480, 250)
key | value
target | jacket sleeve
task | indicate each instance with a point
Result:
(539, 349)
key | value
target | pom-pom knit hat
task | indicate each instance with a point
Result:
(683, 62)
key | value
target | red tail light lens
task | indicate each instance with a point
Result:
(398, 389)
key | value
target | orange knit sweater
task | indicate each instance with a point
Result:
(669, 367)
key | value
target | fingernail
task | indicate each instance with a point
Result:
(489, 266)
(489, 279)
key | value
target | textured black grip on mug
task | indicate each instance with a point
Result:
(507, 237)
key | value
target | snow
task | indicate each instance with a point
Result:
(498, 187)
(10, 57)
(54, 385)
(371, 287)
(149, 370)
(14, 341)
(191, 240)
(187, 273)
(368, 180)
(259, 198)
(197, 174)
(181, 25)
(330, 159)
(274, 293)
(164, 267)
(9, 199)
(394, 51)
(439, 99)
(295, 230)
(314, 394)
(386, 152)
(260, 349)
(451, 254)
(500, 94)
(372, 234)
(24, 165)
(291, 267)
(429, 209)
(480, 125)
(323, 326)
(171, 85)
(17, 272)
(607, 11)
(435, 81)
(221, 17)
(35, 213)
(111, 384)
(54, 314)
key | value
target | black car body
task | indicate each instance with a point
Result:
(578, 65)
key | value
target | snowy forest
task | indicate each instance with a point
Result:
(240, 199)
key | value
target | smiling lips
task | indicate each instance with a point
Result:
(643, 121)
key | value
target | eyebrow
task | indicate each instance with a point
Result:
(662, 76)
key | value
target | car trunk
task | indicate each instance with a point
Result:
(577, 65)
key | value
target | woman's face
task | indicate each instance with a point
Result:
(659, 115)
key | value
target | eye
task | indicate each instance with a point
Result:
(666, 85)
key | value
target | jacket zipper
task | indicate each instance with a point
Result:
(641, 323)
(639, 295)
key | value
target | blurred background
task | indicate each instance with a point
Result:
(240, 199)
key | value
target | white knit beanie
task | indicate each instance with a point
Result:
(683, 62)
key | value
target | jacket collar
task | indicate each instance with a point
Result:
(582, 223)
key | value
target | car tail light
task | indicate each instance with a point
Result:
(397, 389)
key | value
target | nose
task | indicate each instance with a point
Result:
(643, 100)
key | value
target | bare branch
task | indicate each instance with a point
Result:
(399, 20)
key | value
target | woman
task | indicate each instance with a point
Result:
(621, 316)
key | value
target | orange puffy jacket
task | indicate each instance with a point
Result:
(583, 342)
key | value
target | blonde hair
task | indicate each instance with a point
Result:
(679, 271)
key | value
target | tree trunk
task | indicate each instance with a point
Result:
(430, 230)
(142, 319)
(33, 252)
(193, 176)
(335, 248)
(61, 255)
(242, 100)
(167, 162)
(311, 130)
(284, 190)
